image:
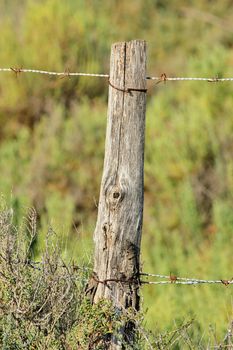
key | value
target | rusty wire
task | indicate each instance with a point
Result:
(167, 279)
(183, 280)
(66, 73)
(162, 78)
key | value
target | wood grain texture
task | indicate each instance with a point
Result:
(118, 229)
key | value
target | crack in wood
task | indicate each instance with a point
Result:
(119, 223)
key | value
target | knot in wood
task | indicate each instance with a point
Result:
(115, 196)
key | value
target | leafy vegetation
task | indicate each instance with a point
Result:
(43, 304)
(52, 139)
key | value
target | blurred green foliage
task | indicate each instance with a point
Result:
(53, 130)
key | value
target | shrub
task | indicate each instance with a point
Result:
(43, 303)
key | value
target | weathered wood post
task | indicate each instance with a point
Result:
(118, 230)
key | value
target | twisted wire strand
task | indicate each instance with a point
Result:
(162, 78)
(189, 282)
(171, 279)
(183, 280)
(165, 276)
(66, 73)
(210, 80)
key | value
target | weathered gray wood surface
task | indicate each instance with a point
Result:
(118, 230)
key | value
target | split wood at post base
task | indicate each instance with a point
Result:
(117, 235)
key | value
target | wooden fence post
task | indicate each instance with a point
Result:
(118, 230)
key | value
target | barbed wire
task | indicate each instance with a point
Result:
(171, 279)
(64, 74)
(191, 282)
(162, 78)
(183, 280)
